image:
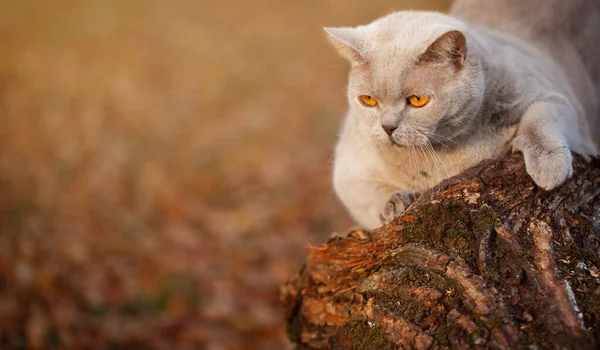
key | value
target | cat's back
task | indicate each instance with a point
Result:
(569, 30)
(541, 22)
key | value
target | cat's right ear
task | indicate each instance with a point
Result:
(347, 42)
(451, 47)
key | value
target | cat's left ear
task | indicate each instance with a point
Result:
(347, 41)
(450, 47)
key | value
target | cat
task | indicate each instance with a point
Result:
(432, 94)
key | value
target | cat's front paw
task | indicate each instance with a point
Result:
(549, 167)
(396, 205)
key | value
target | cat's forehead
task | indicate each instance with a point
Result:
(388, 62)
(392, 46)
(406, 33)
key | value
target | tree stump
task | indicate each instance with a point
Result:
(484, 260)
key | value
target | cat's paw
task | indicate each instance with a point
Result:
(549, 167)
(396, 205)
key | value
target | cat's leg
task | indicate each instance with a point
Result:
(363, 198)
(547, 134)
(371, 203)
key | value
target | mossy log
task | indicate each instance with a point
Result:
(484, 260)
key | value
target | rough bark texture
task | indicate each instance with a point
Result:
(484, 260)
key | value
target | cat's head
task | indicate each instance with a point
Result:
(413, 80)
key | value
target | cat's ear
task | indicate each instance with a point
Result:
(347, 41)
(450, 47)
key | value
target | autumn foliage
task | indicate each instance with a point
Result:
(163, 165)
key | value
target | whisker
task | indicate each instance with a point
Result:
(438, 140)
(434, 153)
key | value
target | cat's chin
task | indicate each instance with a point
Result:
(402, 142)
(405, 146)
(401, 146)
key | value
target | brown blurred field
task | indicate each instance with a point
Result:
(163, 165)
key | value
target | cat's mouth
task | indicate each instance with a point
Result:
(407, 145)
(409, 139)
(400, 145)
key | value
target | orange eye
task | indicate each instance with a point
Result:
(418, 100)
(368, 101)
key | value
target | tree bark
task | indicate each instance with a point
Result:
(483, 260)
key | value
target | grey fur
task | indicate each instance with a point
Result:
(568, 31)
(522, 81)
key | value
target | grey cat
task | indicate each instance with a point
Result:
(432, 94)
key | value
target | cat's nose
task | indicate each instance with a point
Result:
(389, 129)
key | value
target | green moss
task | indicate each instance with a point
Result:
(401, 305)
(592, 308)
(447, 331)
(451, 228)
(370, 337)
(362, 336)
(528, 255)
(484, 219)
(417, 276)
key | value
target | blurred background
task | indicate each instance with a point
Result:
(164, 165)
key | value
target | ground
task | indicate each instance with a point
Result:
(163, 166)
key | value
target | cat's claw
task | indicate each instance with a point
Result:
(396, 205)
